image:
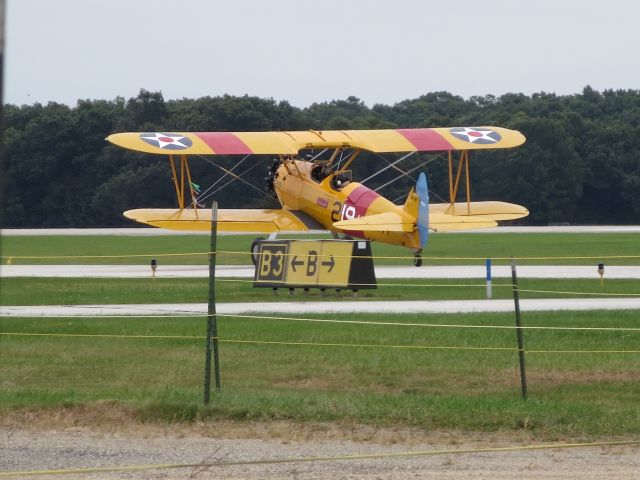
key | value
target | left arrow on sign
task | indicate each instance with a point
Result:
(295, 263)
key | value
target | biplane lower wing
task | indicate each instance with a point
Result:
(229, 220)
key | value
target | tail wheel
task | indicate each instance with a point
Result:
(417, 260)
(255, 250)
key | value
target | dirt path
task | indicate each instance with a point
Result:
(42, 447)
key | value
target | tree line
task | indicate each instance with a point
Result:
(580, 164)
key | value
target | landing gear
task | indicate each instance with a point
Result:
(417, 260)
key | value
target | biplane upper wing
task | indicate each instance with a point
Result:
(290, 143)
(229, 220)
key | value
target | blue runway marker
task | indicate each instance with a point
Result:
(487, 263)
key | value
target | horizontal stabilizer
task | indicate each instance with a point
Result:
(229, 220)
(448, 223)
(380, 222)
(491, 210)
(442, 218)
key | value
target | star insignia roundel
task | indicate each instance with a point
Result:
(166, 141)
(480, 135)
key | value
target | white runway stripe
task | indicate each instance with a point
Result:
(342, 307)
(225, 271)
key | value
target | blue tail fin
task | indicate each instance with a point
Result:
(423, 209)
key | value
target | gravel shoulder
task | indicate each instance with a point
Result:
(62, 446)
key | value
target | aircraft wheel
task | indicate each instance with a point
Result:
(255, 248)
(417, 260)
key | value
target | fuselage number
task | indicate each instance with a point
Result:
(342, 211)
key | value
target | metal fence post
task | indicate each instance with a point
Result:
(516, 300)
(212, 327)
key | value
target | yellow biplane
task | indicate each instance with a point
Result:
(319, 193)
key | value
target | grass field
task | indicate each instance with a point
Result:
(443, 249)
(582, 383)
(373, 374)
(70, 291)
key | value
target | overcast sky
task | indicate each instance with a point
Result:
(307, 51)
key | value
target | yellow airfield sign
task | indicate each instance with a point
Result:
(340, 264)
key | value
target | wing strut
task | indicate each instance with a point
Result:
(350, 159)
(179, 182)
(453, 187)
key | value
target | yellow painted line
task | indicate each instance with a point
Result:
(131, 255)
(430, 325)
(331, 458)
(335, 321)
(431, 285)
(583, 351)
(425, 347)
(101, 335)
(93, 316)
(409, 257)
(256, 342)
(308, 344)
(600, 294)
(509, 259)
(364, 345)
(341, 286)
(350, 322)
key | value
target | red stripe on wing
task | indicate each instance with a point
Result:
(425, 139)
(224, 143)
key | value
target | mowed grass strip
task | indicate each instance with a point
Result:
(347, 373)
(82, 291)
(443, 249)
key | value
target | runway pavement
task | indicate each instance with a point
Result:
(310, 307)
(342, 307)
(425, 272)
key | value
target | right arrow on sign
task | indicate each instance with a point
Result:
(330, 263)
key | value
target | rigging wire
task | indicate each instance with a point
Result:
(426, 162)
(343, 155)
(232, 169)
(230, 172)
(233, 180)
(410, 171)
(204, 195)
(318, 155)
(391, 165)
